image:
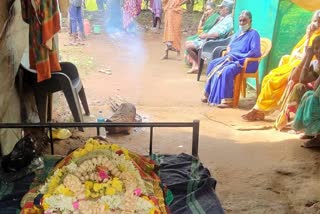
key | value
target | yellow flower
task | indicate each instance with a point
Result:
(46, 196)
(111, 191)
(94, 195)
(126, 153)
(104, 146)
(145, 198)
(115, 147)
(88, 147)
(87, 193)
(88, 184)
(97, 187)
(154, 210)
(45, 205)
(106, 207)
(53, 183)
(62, 189)
(117, 184)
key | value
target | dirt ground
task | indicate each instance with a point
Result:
(258, 171)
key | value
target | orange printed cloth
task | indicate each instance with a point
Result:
(173, 22)
(44, 22)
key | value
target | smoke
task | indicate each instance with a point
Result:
(129, 40)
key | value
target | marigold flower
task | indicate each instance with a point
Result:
(111, 191)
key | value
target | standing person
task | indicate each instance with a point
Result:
(172, 26)
(76, 21)
(114, 16)
(274, 84)
(156, 9)
(222, 71)
(131, 9)
(101, 5)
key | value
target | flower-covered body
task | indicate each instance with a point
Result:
(98, 178)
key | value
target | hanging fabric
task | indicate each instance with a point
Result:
(44, 22)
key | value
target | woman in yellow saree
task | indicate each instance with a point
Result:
(274, 84)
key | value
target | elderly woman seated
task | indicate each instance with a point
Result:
(207, 21)
(303, 79)
(274, 84)
(220, 30)
(222, 71)
(308, 115)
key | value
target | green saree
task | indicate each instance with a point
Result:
(308, 115)
(209, 23)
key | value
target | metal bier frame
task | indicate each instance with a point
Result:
(194, 125)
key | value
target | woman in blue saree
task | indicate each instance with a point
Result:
(222, 71)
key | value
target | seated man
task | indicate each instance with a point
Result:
(222, 71)
(220, 30)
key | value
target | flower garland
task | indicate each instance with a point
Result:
(99, 178)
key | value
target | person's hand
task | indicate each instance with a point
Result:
(309, 51)
(310, 30)
(297, 54)
(203, 36)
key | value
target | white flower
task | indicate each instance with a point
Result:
(143, 205)
(114, 201)
(72, 167)
(60, 202)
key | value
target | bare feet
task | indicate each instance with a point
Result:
(253, 115)
(193, 71)
(313, 143)
(304, 136)
(166, 55)
(204, 99)
(224, 105)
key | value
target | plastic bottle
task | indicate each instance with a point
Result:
(101, 130)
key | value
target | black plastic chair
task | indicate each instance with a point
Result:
(66, 80)
(210, 50)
